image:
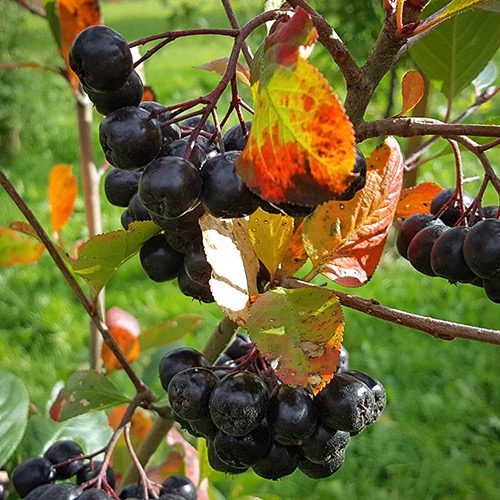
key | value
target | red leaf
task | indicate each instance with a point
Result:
(417, 199)
(413, 90)
(117, 317)
(301, 147)
(17, 249)
(345, 239)
(62, 195)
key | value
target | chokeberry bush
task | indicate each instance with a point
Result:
(269, 195)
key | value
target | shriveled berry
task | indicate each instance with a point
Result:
(319, 471)
(177, 360)
(325, 444)
(377, 389)
(345, 404)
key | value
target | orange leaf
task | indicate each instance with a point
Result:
(140, 422)
(413, 90)
(296, 255)
(62, 195)
(345, 239)
(17, 249)
(301, 147)
(148, 94)
(128, 343)
(219, 66)
(75, 16)
(417, 199)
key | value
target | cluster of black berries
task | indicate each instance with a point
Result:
(438, 244)
(43, 478)
(159, 173)
(250, 419)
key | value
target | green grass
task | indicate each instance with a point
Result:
(438, 437)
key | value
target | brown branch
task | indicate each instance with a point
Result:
(409, 127)
(233, 20)
(333, 44)
(27, 5)
(445, 330)
(76, 288)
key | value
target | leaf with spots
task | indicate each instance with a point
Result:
(296, 255)
(87, 391)
(271, 235)
(301, 148)
(234, 265)
(345, 239)
(299, 331)
(417, 199)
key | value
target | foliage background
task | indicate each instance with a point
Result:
(439, 436)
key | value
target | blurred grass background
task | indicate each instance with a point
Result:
(438, 437)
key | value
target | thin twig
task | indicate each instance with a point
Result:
(445, 330)
(409, 127)
(75, 287)
(233, 20)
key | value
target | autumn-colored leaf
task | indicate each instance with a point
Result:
(416, 199)
(118, 317)
(345, 239)
(299, 331)
(191, 462)
(219, 66)
(234, 265)
(271, 235)
(148, 94)
(62, 195)
(412, 88)
(17, 249)
(301, 148)
(128, 343)
(67, 18)
(296, 255)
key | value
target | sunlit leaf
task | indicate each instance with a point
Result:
(299, 332)
(103, 254)
(66, 19)
(169, 331)
(412, 89)
(118, 317)
(128, 343)
(417, 199)
(301, 148)
(234, 265)
(219, 66)
(345, 239)
(17, 249)
(62, 195)
(457, 6)
(296, 255)
(271, 235)
(86, 391)
(14, 406)
(454, 53)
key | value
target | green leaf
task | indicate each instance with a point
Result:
(457, 6)
(54, 21)
(103, 254)
(168, 331)
(87, 391)
(299, 331)
(91, 431)
(14, 406)
(454, 53)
